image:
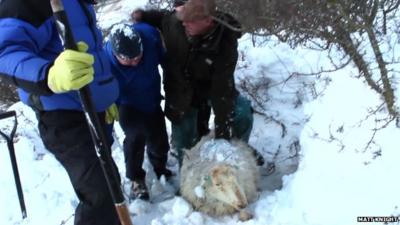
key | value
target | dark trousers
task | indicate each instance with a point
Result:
(185, 133)
(66, 134)
(142, 130)
(203, 117)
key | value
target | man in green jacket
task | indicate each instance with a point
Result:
(199, 66)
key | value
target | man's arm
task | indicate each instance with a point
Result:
(223, 92)
(152, 17)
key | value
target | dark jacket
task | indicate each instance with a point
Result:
(29, 44)
(140, 85)
(198, 69)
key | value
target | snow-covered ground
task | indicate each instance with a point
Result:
(316, 133)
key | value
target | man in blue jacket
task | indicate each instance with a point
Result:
(32, 57)
(135, 51)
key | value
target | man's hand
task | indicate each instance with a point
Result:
(71, 70)
(112, 114)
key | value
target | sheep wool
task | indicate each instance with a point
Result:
(219, 177)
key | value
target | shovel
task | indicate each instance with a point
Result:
(9, 138)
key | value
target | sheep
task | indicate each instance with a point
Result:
(220, 177)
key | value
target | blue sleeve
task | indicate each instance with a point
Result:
(155, 36)
(20, 60)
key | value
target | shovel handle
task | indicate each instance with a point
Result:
(7, 114)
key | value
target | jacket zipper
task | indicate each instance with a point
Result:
(93, 30)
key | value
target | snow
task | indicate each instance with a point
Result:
(181, 208)
(220, 150)
(199, 191)
(315, 130)
(125, 29)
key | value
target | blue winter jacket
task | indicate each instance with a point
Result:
(140, 85)
(29, 44)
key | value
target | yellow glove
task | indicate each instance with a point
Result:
(112, 114)
(71, 70)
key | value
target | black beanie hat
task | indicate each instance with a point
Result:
(125, 41)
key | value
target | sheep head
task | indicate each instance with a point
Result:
(223, 186)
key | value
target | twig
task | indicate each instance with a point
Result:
(63, 222)
(271, 118)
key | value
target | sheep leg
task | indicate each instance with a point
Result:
(244, 215)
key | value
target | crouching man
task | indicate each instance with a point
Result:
(199, 68)
(135, 51)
